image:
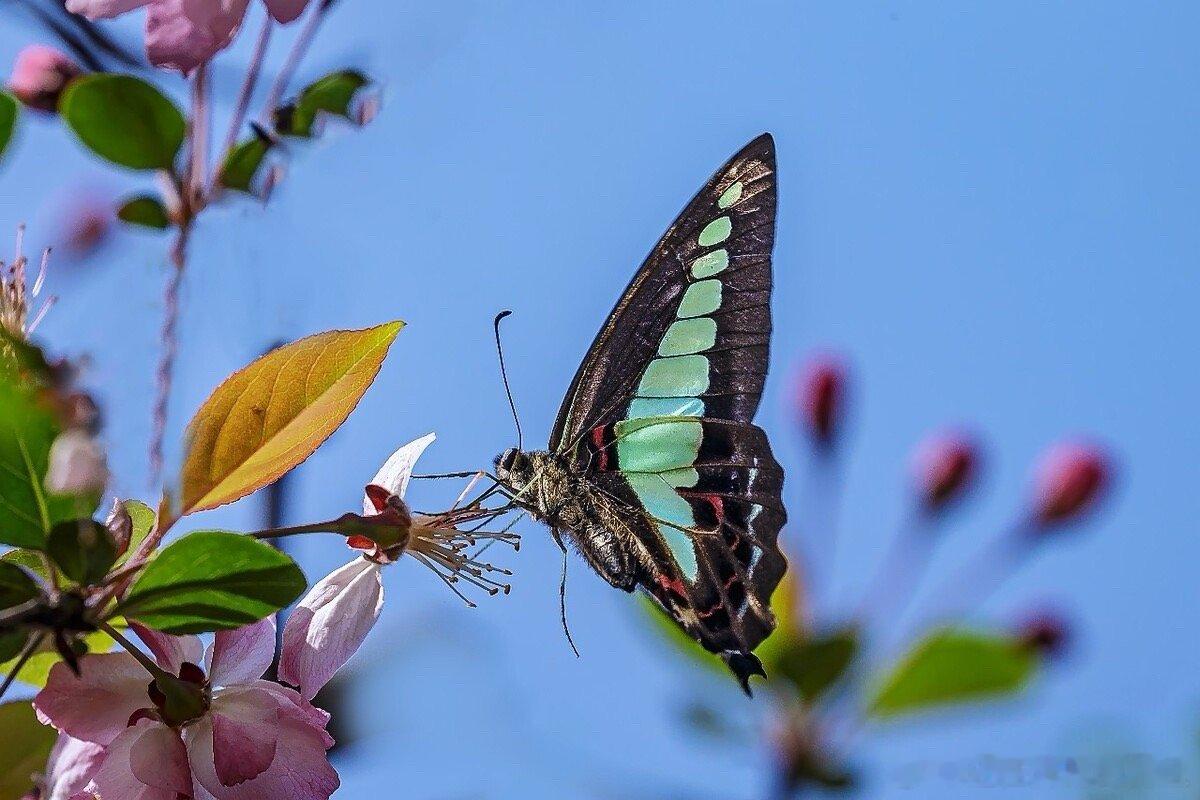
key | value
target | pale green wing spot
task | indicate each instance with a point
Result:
(642, 407)
(663, 503)
(676, 376)
(716, 232)
(731, 195)
(708, 265)
(686, 336)
(702, 297)
(657, 444)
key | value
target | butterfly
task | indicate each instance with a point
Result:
(655, 472)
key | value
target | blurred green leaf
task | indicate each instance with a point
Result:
(22, 361)
(242, 163)
(24, 748)
(30, 560)
(16, 587)
(210, 581)
(27, 510)
(815, 664)
(83, 549)
(37, 670)
(955, 666)
(146, 211)
(124, 119)
(9, 111)
(331, 94)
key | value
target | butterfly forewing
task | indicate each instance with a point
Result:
(665, 399)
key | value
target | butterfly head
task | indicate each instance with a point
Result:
(514, 467)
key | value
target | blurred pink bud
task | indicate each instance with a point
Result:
(86, 226)
(1046, 632)
(944, 465)
(1068, 480)
(77, 464)
(39, 76)
(820, 397)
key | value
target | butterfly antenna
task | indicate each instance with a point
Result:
(504, 376)
(562, 592)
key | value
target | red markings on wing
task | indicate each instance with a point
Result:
(601, 450)
(673, 585)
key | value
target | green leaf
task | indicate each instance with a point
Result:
(268, 417)
(22, 361)
(146, 211)
(331, 94)
(955, 666)
(27, 510)
(9, 111)
(29, 560)
(143, 522)
(212, 580)
(83, 549)
(242, 163)
(815, 664)
(124, 119)
(24, 748)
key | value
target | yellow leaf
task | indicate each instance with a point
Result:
(267, 418)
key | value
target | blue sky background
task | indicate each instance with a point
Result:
(990, 208)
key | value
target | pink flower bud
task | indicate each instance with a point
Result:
(943, 466)
(39, 76)
(1046, 632)
(820, 398)
(1068, 481)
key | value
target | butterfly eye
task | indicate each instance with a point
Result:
(509, 459)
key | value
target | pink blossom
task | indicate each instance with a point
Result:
(943, 467)
(334, 618)
(39, 76)
(247, 738)
(183, 34)
(1069, 479)
(72, 764)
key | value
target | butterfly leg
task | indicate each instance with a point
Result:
(562, 589)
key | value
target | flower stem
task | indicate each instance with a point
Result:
(248, 86)
(166, 362)
(154, 669)
(329, 526)
(303, 42)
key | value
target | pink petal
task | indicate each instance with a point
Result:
(330, 625)
(102, 9)
(183, 34)
(285, 11)
(72, 764)
(300, 771)
(170, 651)
(158, 758)
(146, 762)
(295, 708)
(245, 731)
(97, 705)
(397, 470)
(242, 655)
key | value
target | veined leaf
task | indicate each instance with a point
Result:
(143, 522)
(210, 581)
(27, 510)
(9, 111)
(83, 549)
(267, 418)
(955, 666)
(124, 119)
(24, 748)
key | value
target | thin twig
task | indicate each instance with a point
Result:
(201, 123)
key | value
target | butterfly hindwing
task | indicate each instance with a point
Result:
(661, 408)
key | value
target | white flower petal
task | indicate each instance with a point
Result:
(397, 470)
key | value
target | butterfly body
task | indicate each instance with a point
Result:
(655, 472)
